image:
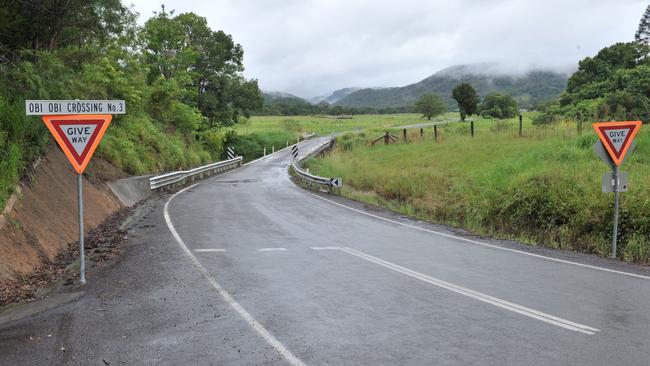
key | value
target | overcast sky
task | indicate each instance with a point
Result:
(311, 47)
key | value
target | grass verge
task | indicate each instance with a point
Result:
(542, 188)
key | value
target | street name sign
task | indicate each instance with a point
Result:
(63, 107)
(617, 137)
(78, 136)
(77, 126)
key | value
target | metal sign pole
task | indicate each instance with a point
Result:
(80, 201)
(616, 193)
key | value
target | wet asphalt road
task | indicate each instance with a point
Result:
(248, 269)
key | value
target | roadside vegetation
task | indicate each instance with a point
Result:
(542, 188)
(182, 83)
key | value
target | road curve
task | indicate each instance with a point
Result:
(300, 278)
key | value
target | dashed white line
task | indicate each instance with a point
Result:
(481, 243)
(259, 328)
(209, 250)
(272, 249)
(519, 309)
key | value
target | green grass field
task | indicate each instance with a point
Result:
(325, 125)
(542, 188)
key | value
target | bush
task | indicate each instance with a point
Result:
(252, 145)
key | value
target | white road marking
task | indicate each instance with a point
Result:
(520, 309)
(483, 244)
(325, 248)
(209, 250)
(259, 328)
(272, 249)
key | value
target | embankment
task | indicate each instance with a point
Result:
(42, 220)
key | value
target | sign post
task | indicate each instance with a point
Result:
(77, 128)
(616, 139)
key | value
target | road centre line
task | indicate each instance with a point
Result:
(520, 309)
(481, 243)
(209, 250)
(259, 328)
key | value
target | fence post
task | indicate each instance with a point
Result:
(471, 127)
(404, 133)
(386, 138)
(435, 133)
(521, 124)
(421, 133)
(578, 123)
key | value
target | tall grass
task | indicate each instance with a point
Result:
(542, 188)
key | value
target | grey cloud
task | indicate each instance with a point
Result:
(310, 47)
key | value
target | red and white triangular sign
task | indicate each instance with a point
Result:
(78, 135)
(617, 137)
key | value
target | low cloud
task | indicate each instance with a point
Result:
(311, 47)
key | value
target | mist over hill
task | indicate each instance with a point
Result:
(276, 96)
(527, 87)
(335, 96)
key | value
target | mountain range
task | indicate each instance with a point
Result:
(528, 88)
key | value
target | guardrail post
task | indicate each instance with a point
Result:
(521, 125)
(435, 133)
(471, 127)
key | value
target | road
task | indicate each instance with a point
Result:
(248, 269)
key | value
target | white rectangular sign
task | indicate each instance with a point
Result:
(59, 107)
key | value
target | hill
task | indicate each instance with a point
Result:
(527, 88)
(335, 96)
(277, 97)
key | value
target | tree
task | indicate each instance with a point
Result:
(499, 105)
(467, 98)
(52, 24)
(430, 105)
(207, 65)
(642, 34)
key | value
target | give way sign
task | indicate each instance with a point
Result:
(78, 135)
(617, 137)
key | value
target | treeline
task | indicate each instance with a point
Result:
(613, 85)
(182, 82)
(300, 107)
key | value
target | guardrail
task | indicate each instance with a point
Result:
(174, 179)
(314, 181)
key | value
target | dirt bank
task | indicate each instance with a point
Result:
(43, 220)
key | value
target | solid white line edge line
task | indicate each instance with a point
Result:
(481, 243)
(259, 328)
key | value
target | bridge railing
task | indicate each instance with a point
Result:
(312, 181)
(178, 178)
